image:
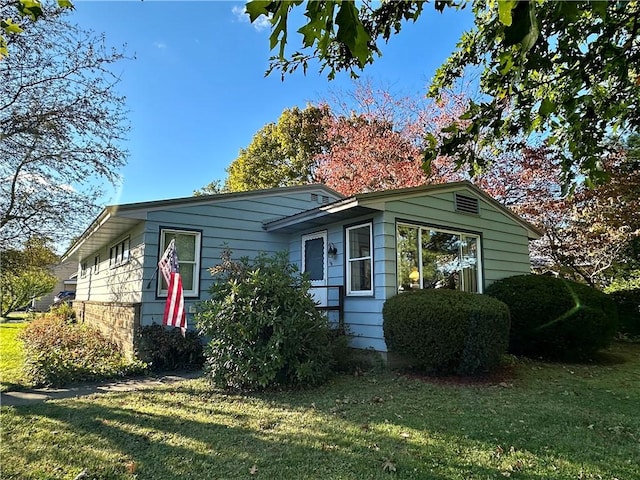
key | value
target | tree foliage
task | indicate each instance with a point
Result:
(376, 141)
(61, 129)
(281, 153)
(25, 273)
(564, 69)
(19, 288)
(596, 238)
(36, 252)
(17, 14)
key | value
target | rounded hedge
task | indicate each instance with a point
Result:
(447, 331)
(556, 318)
(628, 302)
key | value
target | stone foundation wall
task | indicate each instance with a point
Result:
(117, 321)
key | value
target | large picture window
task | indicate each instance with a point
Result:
(359, 260)
(436, 258)
(188, 249)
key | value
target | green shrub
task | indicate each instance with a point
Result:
(64, 311)
(628, 302)
(447, 331)
(58, 352)
(264, 327)
(556, 318)
(166, 349)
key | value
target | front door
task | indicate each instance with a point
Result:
(314, 263)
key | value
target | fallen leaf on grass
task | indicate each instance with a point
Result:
(388, 465)
(131, 467)
(253, 470)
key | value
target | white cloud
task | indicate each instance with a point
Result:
(160, 45)
(262, 23)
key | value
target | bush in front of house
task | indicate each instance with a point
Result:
(59, 352)
(165, 349)
(446, 331)
(556, 318)
(628, 302)
(264, 328)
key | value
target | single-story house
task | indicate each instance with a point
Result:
(358, 250)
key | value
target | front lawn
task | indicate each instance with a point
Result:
(11, 356)
(545, 421)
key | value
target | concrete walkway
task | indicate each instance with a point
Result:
(28, 397)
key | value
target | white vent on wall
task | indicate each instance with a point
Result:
(467, 204)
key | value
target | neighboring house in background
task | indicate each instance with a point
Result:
(358, 251)
(65, 273)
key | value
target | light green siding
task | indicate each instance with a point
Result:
(233, 224)
(504, 253)
(122, 283)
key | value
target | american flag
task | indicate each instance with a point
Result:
(174, 314)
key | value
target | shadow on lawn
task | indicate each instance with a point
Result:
(152, 446)
(555, 423)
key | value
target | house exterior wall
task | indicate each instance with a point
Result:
(117, 321)
(505, 246)
(362, 314)
(504, 253)
(234, 224)
(114, 284)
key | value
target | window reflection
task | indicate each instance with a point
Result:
(433, 258)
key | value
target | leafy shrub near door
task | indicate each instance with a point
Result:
(446, 331)
(556, 318)
(264, 328)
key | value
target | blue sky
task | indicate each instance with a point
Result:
(196, 90)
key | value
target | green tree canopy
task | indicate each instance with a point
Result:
(37, 252)
(25, 273)
(281, 153)
(564, 69)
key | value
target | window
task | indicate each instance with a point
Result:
(119, 253)
(434, 258)
(359, 260)
(96, 264)
(188, 249)
(83, 270)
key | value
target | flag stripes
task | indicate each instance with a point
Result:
(174, 314)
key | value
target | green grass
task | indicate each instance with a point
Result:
(545, 421)
(11, 356)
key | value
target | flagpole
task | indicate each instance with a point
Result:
(155, 272)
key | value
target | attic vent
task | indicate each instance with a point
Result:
(315, 198)
(466, 204)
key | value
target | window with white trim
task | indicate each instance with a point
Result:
(96, 264)
(119, 253)
(438, 258)
(359, 259)
(188, 250)
(83, 269)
